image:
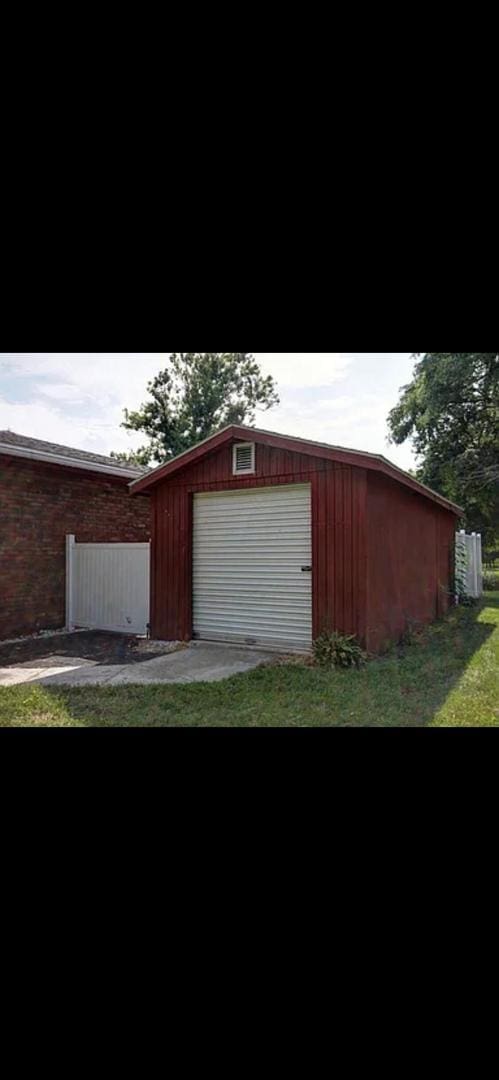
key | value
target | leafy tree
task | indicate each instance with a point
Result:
(451, 411)
(196, 395)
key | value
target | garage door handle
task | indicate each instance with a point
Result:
(306, 569)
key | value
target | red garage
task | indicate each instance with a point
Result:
(266, 539)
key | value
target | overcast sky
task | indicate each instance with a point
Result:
(78, 398)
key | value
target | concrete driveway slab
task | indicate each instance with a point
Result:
(200, 662)
(14, 676)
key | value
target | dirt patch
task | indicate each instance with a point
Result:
(104, 648)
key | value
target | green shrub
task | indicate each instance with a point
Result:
(468, 601)
(332, 649)
(491, 581)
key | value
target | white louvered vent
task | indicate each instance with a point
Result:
(243, 459)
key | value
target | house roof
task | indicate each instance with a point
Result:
(40, 450)
(359, 458)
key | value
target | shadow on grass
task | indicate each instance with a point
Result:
(447, 676)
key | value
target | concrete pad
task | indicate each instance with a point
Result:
(14, 676)
(88, 675)
(200, 662)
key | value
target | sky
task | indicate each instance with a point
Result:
(77, 399)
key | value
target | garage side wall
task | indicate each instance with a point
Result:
(39, 505)
(338, 536)
(410, 556)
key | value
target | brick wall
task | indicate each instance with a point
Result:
(39, 505)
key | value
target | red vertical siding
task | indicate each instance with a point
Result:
(360, 548)
(410, 545)
(338, 536)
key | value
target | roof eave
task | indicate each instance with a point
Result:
(358, 458)
(67, 462)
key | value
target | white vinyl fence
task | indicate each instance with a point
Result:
(107, 586)
(469, 569)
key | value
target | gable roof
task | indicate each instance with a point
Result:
(360, 458)
(39, 450)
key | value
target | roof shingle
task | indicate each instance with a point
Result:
(23, 442)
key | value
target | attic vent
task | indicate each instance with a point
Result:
(243, 461)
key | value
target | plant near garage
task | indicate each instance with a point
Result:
(332, 649)
(195, 396)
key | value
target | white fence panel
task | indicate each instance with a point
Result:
(473, 573)
(108, 586)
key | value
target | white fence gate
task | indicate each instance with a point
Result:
(107, 586)
(469, 562)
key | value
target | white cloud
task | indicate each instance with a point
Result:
(305, 369)
(66, 392)
(41, 422)
(338, 404)
(114, 375)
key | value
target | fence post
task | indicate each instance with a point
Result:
(461, 561)
(70, 552)
(477, 565)
(473, 565)
(149, 587)
(480, 564)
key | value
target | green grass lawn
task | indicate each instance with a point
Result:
(449, 676)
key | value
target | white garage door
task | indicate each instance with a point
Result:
(252, 566)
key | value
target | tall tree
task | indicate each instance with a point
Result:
(196, 395)
(451, 411)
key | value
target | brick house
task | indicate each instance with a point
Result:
(46, 492)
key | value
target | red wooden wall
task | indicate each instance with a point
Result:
(410, 548)
(338, 536)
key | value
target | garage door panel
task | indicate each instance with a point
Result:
(248, 552)
(272, 529)
(253, 594)
(258, 609)
(232, 500)
(281, 640)
(250, 547)
(251, 625)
